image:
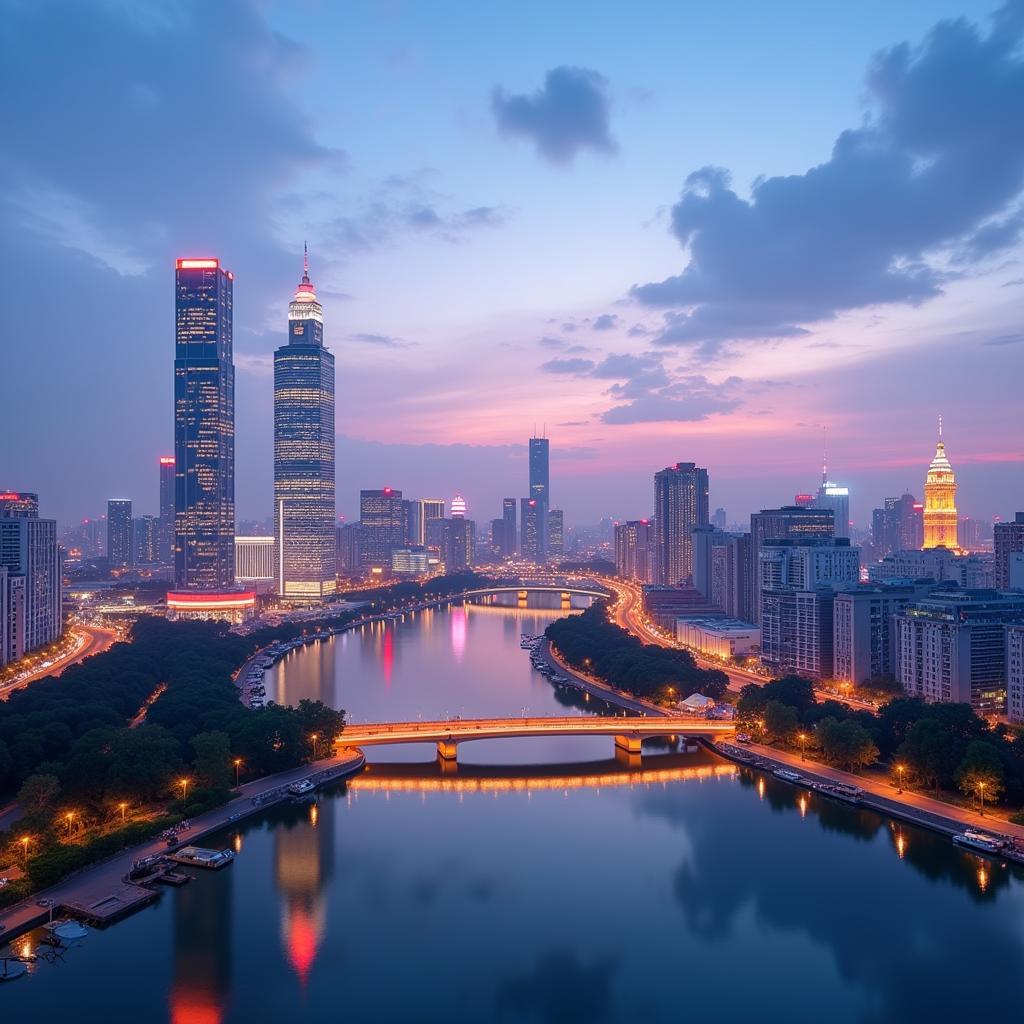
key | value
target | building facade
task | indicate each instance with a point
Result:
(532, 520)
(382, 526)
(1007, 540)
(30, 556)
(254, 560)
(634, 550)
(1015, 673)
(146, 540)
(165, 545)
(204, 426)
(119, 533)
(304, 505)
(940, 518)
(556, 532)
(510, 539)
(680, 504)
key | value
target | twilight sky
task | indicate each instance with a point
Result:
(668, 231)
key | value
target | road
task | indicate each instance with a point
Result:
(627, 613)
(88, 640)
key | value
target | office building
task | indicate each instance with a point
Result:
(232, 605)
(539, 476)
(30, 556)
(496, 540)
(1015, 673)
(510, 539)
(429, 508)
(254, 560)
(951, 647)
(703, 540)
(803, 500)
(940, 518)
(723, 638)
(165, 529)
(680, 504)
(349, 540)
(119, 532)
(204, 427)
(941, 564)
(791, 522)
(730, 567)
(410, 561)
(18, 503)
(382, 526)
(556, 532)
(532, 520)
(664, 605)
(1007, 540)
(634, 550)
(718, 519)
(304, 453)
(458, 548)
(837, 498)
(146, 540)
(897, 526)
(864, 628)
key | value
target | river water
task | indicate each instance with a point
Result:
(545, 882)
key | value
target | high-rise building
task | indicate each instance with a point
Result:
(349, 542)
(429, 508)
(556, 531)
(730, 567)
(510, 541)
(703, 540)
(1007, 540)
(119, 532)
(1015, 673)
(146, 540)
(165, 543)
(459, 548)
(680, 504)
(837, 498)
(532, 520)
(803, 500)
(254, 560)
(940, 518)
(30, 556)
(634, 550)
(18, 503)
(458, 507)
(497, 538)
(539, 476)
(410, 561)
(304, 453)
(204, 427)
(382, 526)
(718, 519)
(791, 522)
(951, 647)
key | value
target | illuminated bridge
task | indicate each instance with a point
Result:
(521, 590)
(628, 732)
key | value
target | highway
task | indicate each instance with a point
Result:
(88, 640)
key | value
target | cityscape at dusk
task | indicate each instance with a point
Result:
(503, 508)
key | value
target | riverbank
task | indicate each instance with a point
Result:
(100, 891)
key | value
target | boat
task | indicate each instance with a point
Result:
(66, 930)
(197, 856)
(840, 790)
(981, 842)
(301, 788)
(787, 776)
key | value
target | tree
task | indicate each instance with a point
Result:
(846, 743)
(980, 773)
(928, 752)
(39, 793)
(750, 706)
(780, 720)
(794, 691)
(213, 758)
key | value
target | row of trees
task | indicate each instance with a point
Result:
(591, 643)
(935, 746)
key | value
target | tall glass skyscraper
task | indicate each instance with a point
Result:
(204, 427)
(680, 504)
(539, 453)
(540, 497)
(304, 453)
(119, 533)
(165, 545)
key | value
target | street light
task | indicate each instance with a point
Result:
(803, 745)
(25, 840)
(70, 817)
(122, 806)
(313, 738)
(981, 794)
(238, 764)
(184, 788)
(900, 769)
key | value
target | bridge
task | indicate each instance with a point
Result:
(628, 732)
(521, 590)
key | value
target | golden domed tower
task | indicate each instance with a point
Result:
(940, 519)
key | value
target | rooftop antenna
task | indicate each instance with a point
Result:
(940, 426)
(824, 456)
(305, 263)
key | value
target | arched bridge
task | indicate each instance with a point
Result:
(629, 732)
(522, 589)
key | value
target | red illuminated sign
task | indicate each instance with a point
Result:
(166, 460)
(198, 264)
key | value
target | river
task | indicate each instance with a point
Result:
(544, 882)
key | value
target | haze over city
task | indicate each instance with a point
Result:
(608, 235)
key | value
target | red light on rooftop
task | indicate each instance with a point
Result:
(198, 264)
(10, 496)
(166, 460)
(387, 490)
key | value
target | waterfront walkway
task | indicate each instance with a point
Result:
(99, 884)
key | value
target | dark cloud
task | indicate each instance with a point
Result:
(605, 322)
(577, 366)
(382, 340)
(1006, 339)
(548, 342)
(936, 168)
(687, 400)
(1015, 283)
(569, 114)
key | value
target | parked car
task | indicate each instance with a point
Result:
(742, 737)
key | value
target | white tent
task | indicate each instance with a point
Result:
(697, 702)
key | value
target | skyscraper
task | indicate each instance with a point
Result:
(539, 457)
(940, 518)
(531, 529)
(1007, 540)
(680, 504)
(204, 427)
(382, 526)
(837, 498)
(119, 532)
(145, 540)
(634, 549)
(429, 508)
(458, 507)
(304, 453)
(509, 538)
(165, 545)
(556, 531)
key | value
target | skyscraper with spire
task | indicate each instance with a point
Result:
(834, 496)
(940, 518)
(304, 453)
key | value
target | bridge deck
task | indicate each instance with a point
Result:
(460, 730)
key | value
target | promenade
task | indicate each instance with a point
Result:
(103, 882)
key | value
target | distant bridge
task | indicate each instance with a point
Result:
(521, 590)
(629, 732)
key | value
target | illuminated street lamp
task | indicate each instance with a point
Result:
(981, 795)
(70, 818)
(25, 840)
(184, 788)
(122, 807)
(803, 745)
(900, 769)
(238, 765)
(313, 738)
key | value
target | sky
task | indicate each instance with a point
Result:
(738, 234)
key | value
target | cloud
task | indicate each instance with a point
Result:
(686, 401)
(1007, 339)
(381, 340)
(1015, 283)
(567, 115)
(935, 170)
(548, 342)
(605, 322)
(577, 366)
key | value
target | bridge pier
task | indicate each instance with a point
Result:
(521, 598)
(566, 599)
(447, 750)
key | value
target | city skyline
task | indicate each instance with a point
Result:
(487, 195)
